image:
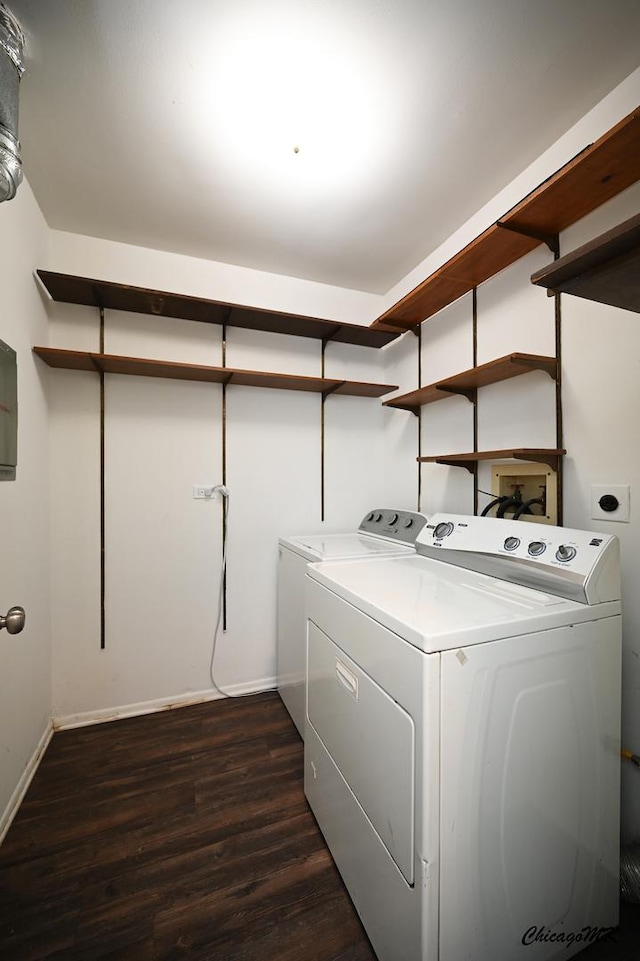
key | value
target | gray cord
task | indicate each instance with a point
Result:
(225, 507)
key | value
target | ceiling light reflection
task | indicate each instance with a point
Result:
(297, 110)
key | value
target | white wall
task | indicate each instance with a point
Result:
(600, 390)
(163, 549)
(601, 400)
(25, 659)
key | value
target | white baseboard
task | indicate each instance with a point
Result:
(64, 722)
(23, 784)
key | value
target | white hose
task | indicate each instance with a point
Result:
(225, 509)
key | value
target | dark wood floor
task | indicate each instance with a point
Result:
(181, 835)
(185, 836)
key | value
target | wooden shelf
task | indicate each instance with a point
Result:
(538, 455)
(599, 172)
(606, 269)
(416, 399)
(116, 364)
(99, 293)
(467, 382)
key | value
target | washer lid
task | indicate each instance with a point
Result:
(321, 547)
(436, 606)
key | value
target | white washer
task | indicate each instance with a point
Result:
(463, 737)
(381, 532)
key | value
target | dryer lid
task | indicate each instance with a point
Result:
(438, 607)
(327, 547)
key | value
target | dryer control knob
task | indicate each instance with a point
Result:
(443, 529)
(393, 519)
(378, 517)
(565, 553)
(408, 522)
(536, 548)
(511, 543)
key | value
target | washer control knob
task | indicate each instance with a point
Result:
(565, 553)
(370, 516)
(511, 543)
(393, 519)
(443, 530)
(408, 522)
(536, 548)
(378, 517)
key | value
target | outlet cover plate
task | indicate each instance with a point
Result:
(621, 492)
(203, 492)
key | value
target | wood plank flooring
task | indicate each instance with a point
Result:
(180, 835)
(185, 836)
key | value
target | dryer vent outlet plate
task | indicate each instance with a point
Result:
(611, 502)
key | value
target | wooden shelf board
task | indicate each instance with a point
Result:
(66, 359)
(599, 172)
(98, 293)
(485, 256)
(144, 367)
(256, 378)
(416, 399)
(503, 368)
(467, 382)
(607, 269)
(354, 388)
(468, 460)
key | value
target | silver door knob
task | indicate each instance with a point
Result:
(14, 620)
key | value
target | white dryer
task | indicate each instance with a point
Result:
(463, 738)
(381, 532)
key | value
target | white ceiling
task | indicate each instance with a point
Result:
(173, 124)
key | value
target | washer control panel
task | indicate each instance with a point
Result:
(397, 525)
(560, 559)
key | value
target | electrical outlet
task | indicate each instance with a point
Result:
(603, 502)
(202, 493)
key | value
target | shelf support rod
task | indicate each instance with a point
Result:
(418, 412)
(322, 429)
(474, 398)
(103, 566)
(224, 470)
(559, 468)
(551, 240)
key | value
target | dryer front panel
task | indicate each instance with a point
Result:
(371, 739)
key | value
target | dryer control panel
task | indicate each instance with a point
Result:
(581, 565)
(397, 525)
